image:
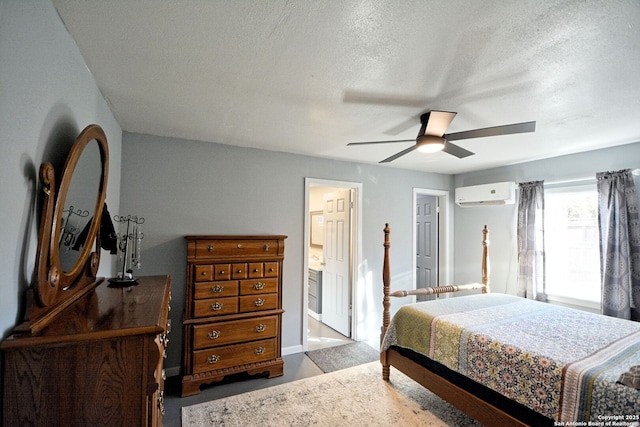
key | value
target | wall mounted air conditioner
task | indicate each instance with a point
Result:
(499, 193)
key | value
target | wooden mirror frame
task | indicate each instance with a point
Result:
(55, 288)
(316, 229)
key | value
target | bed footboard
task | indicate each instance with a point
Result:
(462, 399)
(387, 294)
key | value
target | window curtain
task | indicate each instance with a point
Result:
(619, 244)
(531, 274)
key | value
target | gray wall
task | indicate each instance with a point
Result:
(501, 220)
(47, 96)
(188, 187)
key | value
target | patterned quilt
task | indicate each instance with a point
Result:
(560, 362)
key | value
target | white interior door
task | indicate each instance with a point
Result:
(336, 282)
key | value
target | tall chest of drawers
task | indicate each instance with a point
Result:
(233, 308)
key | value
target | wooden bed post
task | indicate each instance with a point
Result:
(386, 301)
(485, 260)
(387, 294)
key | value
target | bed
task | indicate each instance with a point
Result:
(505, 360)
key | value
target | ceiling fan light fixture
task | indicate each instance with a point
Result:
(430, 144)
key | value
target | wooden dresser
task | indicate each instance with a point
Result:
(233, 308)
(98, 363)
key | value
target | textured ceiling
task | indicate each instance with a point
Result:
(308, 76)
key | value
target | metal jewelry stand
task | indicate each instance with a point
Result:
(129, 241)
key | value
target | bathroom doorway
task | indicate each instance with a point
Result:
(332, 251)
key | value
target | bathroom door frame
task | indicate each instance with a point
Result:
(355, 255)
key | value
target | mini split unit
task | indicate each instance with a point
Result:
(499, 193)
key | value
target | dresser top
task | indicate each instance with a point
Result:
(107, 312)
(235, 237)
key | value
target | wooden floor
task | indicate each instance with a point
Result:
(296, 366)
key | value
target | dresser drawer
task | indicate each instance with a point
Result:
(215, 289)
(223, 333)
(256, 269)
(239, 271)
(215, 306)
(270, 269)
(233, 355)
(258, 302)
(235, 248)
(203, 273)
(258, 286)
(222, 272)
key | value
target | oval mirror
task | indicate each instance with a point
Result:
(69, 247)
(79, 208)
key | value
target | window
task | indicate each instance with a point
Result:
(572, 245)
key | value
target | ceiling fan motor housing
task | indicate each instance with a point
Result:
(430, 143)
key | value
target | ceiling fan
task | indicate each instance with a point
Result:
(432, 138)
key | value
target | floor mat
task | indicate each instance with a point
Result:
(343, 356)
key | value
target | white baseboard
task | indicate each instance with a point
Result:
(292, 350)
(173, 371)
(315, 315)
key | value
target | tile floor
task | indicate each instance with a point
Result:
(296, 366)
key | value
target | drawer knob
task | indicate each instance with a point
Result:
(261, 328)
(210, 248)
(239, 245)
(163, 375)
(255, 270)
(259, 350)
(259, 302)
(258, 286)
(217, 289)
(216, 307)
(214, 334)
(213, 358)
(239, 270)
(265, 247)
(203, 273)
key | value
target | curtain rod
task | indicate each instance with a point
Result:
(570, 181)
(634, 172)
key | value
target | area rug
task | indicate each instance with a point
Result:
(344, 356)
(352, 397)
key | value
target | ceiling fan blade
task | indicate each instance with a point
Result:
(381, 142)
(492, 131)
(437, 122)
(400, 154)
(385, 99)
(404, 126)
(457, 151)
